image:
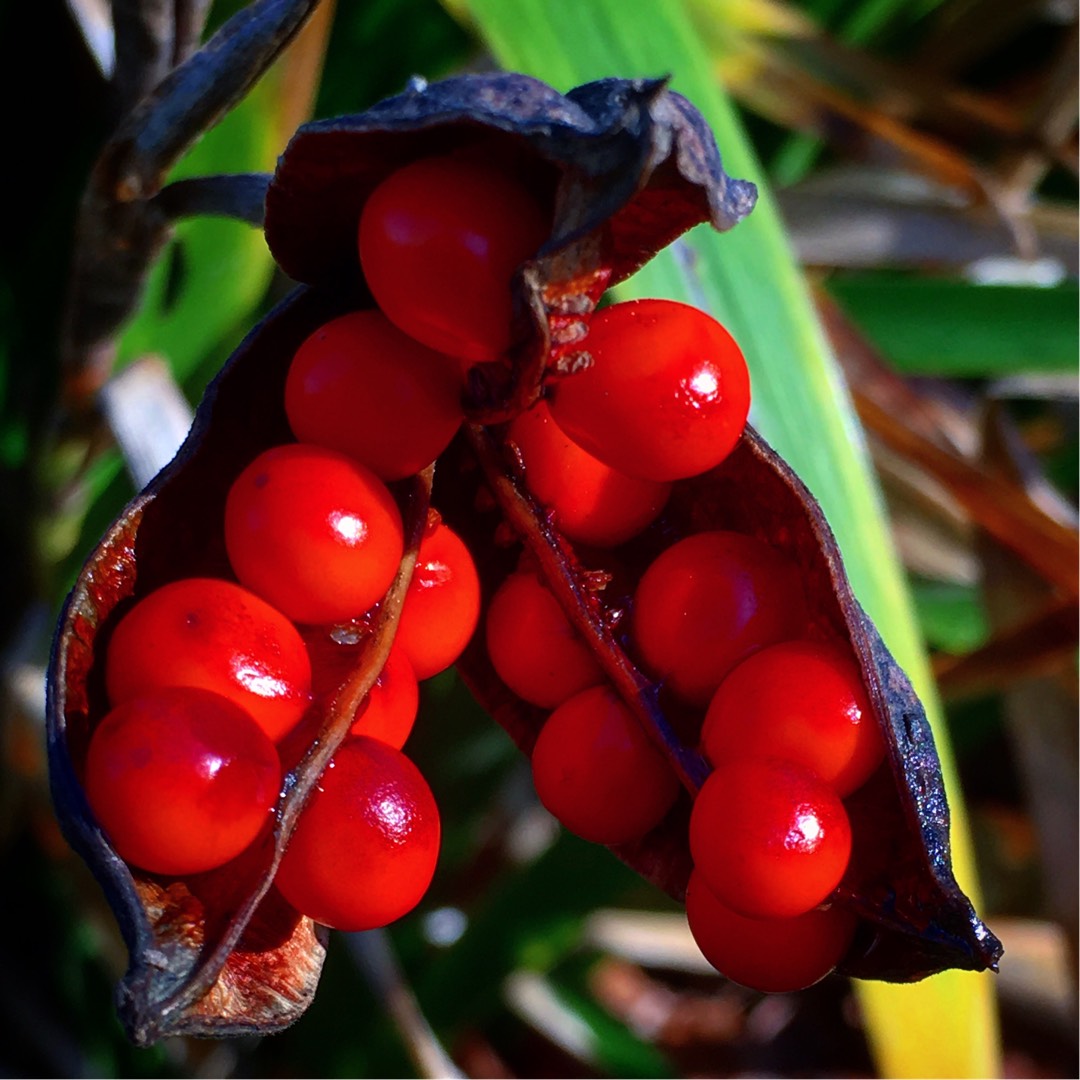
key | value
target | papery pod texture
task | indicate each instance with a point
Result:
(627, 166)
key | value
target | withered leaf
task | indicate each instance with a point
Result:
(626, 166)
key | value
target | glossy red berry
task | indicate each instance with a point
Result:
(442, 605)
(390, 710)
(313, 532)
(182, 780)
(597, 772)
(667, 394)
(361, 386)
(216, 635)
(532, 645)
(771, 839)
(440, 240)
(800, 700)
(589, 502)
(708, 602)
(365, 847)
(772, 955)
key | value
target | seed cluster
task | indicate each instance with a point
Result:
(315, 538)
(720, 622)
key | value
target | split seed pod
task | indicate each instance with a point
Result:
(626, 166)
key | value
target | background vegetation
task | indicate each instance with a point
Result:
(906, 293)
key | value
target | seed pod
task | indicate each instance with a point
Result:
(626, 167)
(221, 952)
(915, 920)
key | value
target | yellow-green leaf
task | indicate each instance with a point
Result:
(749, 279)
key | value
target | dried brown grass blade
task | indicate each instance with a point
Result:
(997, 504)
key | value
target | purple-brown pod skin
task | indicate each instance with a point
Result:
(918, 921)
(627, 164)
(631, 165)
(915, 919)
(174, 529)
(616, 132)
(218, 953)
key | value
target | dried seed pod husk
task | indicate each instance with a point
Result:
(221, 952)
(914, 919)
(626, 167)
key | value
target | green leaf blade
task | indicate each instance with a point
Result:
(749, 279)
(957, 329)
